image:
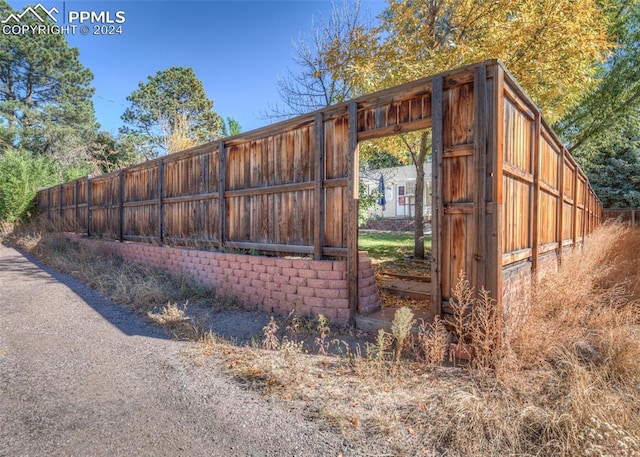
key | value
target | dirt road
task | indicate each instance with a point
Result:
(80, 376)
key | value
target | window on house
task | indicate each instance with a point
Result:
(411, 187)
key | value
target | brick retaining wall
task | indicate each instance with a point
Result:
(270, 284)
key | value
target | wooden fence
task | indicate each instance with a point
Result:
(628, 215)
(548, 202)
(505, 190)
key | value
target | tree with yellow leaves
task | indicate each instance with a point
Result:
(552, 47)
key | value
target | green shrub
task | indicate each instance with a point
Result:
(21, 174)
(367, 201)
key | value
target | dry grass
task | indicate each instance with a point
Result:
(174, 319)
(6, 229)
(562, 380)
(565, 378)
(139, 287)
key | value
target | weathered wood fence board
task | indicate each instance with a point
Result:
(506, 191)
(548, 203)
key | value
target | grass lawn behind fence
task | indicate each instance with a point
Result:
(391, 252)
(385, 246)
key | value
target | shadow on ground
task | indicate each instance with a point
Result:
(125, 320)
(231, 322)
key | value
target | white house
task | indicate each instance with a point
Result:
(400, 188)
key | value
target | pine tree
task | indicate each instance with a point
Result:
(45, 95)
(170, 108)
(611, 160)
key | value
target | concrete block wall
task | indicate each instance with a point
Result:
(270, 284)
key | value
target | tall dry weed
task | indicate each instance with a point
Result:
(401, 329)
(432, 342)
(476, 324)
(461, 304)
(6, 228)
(271, 341)
(567, 368)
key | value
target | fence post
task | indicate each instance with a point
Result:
(318, 174)
(353, 256)
(583, 228)
(560, 209)
(480, 127)
(494, 263)
(574, 223)
(535, 216)
(437, 209)
(121, 205)
(588, 213)
(89, 198)
(76, 192)
(60, 202)
(49, 203)
(161, 195)
(222, 204)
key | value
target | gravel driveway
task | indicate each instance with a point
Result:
(80, 376)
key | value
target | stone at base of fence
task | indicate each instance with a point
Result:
(270, 284)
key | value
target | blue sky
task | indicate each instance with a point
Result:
(237, 48)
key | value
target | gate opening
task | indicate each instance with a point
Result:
(395, 211)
